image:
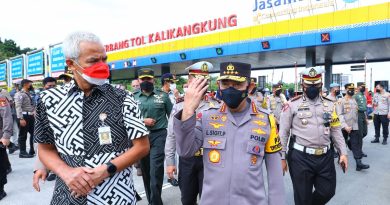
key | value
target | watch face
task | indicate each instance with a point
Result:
(111, 169)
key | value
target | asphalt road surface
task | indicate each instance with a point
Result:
(370, 187)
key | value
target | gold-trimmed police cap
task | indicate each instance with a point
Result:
(277, 86)
(235, 71)
(200, 69)
(145, 73)
(349, 86)
(363, 84)
(312, 75)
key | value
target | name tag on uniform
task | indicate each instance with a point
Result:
(105, 135)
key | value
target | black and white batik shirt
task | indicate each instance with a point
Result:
(70, 120)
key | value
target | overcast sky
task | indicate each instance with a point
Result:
(39, 23)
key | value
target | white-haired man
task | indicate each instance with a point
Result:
(85, 129)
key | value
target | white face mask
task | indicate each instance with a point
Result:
(172, 86)
(94, 81)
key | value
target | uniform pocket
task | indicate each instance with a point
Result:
(255, 156)
(214, 150)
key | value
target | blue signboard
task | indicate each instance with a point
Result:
(57, 59)
(35, 64)
(3, 71)
(17, 68)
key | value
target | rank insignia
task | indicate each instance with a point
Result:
(199, 116)
(214, 117)
(214, 143)
(223, 118)
(258, 131)
(261, 116)
(260, 123)
(216, 125)
(253, 159)
(214, 156)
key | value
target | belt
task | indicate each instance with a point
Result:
(199, 153)
(313, 151)
(361, 111)
(27, 113)
(158, 130)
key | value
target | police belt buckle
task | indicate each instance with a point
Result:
(319, 151)
(199, 153)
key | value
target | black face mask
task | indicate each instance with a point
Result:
(277, 93)
(233, 97)
(147, 86)
(362, 90)
(312, 92)
(378, 91)
(337, 92)
(351, 92)
(31, 88)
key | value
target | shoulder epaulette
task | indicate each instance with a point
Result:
(325, 98)
(295, 98)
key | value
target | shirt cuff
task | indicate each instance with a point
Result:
(171, 161)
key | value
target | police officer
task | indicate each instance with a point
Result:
(5, 135)
(263, 98)
(277, 100)
(25, 114)
(236, 136)
(350, 127)
(312, 120)
(168, 83)
(334, 93)
(191, 168)
(381, 113)
(155, 107)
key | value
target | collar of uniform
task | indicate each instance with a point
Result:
(152, 93)
(318, 101)
(253, 110)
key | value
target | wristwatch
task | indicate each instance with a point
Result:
(111, 168)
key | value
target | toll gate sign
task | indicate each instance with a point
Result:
(3, 71)
(35, 64)
(17, 68)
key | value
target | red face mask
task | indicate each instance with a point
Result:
(98, 70)
(96, 74)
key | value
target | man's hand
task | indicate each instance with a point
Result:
(344, 160)
(98, 174)
(149, 122)
(348, 129)
(388, 116)
(193, 97)
(5, 141)
(284, 166)
(78, 180)
(39, 174)
(171, 171)
(23, 122)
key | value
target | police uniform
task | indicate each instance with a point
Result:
(6, 132)
(311, 122)
(277, 102)
(169, 77)
(349, 113)
(337, 103)
(361, 101)
(381, 111)
(235, 145)
(191, 168)
(157, 106)
(25, 110)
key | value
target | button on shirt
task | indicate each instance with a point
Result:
(70, 121)
(157, 106)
